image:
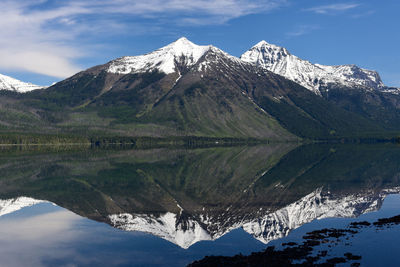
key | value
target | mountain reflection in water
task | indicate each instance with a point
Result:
(186, 196)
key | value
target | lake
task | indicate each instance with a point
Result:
(171, 207)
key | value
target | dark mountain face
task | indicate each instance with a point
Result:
(188, 90)
(380, 106)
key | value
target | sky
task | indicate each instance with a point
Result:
(45, 41)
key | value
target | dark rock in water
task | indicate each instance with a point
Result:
(359, 224)
(312, 243)
(323, 253)
(336, 260)
(388, 221)
(350, 256)
(327, 233)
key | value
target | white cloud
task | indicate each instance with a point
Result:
(45, 36)
(228, 9)
(30, 43)
(328, 9)
(39, 61)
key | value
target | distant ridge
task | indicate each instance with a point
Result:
(11, 84)
(314, 77)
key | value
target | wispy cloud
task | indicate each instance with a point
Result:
(47, 36)
(363, 14)
(302, 30)
(333, 8)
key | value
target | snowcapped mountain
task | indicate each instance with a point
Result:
(168, 59)
(314, 77)
(11, 84)
(217, 95)
(180, 73)
(264, 225)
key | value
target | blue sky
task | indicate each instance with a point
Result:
(44, 41)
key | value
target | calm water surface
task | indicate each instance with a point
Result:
(169, 207)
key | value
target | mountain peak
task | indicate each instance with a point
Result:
(270, 48)
(11, 84)
(183, 44)
(261, 43)
(183, 40)
(184, 47)
(266, 45)
(163, 59)
(265, 55)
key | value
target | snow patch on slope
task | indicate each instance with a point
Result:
(392, 90)
(312, 76)
(164, 59)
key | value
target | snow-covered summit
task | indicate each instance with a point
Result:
(165, 59)
(274, 51)
(312, 76)
(11, 84)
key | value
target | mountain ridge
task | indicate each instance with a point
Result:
(315, 77)
(265, 55)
